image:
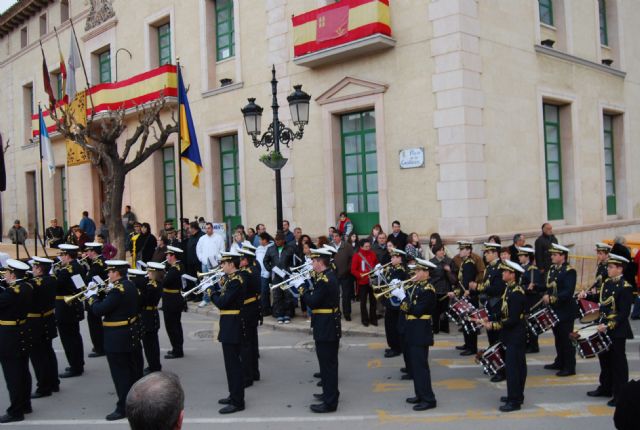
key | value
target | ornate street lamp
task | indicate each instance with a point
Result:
(277, 133)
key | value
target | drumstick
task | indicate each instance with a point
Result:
(536, 305)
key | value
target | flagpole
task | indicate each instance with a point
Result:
(41, 180)
(84, 69)
(181, 208)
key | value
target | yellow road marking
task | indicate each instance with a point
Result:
(457, 384)
(377, 345)
(387, 387)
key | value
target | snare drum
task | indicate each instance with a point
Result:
(471, 327)
(589, 311)
(541, 321)
(492, 359)
(458, 310)
(591, 342)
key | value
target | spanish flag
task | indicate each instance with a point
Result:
(189, 151)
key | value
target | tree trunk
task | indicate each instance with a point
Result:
(112, 209)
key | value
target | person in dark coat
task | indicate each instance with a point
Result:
(342, 261)
(146, 243)
(542, 246)
(280, 255)
(442, 277)
(397, 236)
(173, 303)
(193, 265)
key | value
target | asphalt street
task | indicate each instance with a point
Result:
(372, 394)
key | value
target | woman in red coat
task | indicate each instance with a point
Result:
(363, 261)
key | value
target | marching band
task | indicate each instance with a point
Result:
(511, 300)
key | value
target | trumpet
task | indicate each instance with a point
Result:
(213, 272)
(362, 275)
(385, 290)
(285, 284)
(210, 280)
(80, 296)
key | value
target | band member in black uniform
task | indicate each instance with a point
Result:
(534, 287)
(493, 287)
(139, 280)
(68, 316)
(151, 318)
(228, 298)
(561, 286)
(602, 273)
(398, 271)
(173, 302)
(513, 335)
(418, 305)
(616, 298)
(42, 324)
(323, 297)
(93, 252)
(249, 313)
(121, 342)
(15, 300)
(467, 273)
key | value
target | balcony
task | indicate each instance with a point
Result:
(341, 31)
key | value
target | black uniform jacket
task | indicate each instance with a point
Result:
(323, 299)
(150, 299)
(42, 321)
(466, 273)
(493, 286)
(616, 298)
(250, 293)
(512, 316)
(417, 307)
(533, 276)
(119, 310)
(75, 311)
(561, 286)
(14, 306)
(172, 300)
(229, 300)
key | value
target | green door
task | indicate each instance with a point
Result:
(230, 180)
(360, 170)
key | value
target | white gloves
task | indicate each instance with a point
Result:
(92, 285)
(395, 282)
(398, 293)
(90, 293)
(298, 282)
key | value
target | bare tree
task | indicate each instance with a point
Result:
(99, 138)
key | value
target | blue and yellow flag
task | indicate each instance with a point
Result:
(189, 151)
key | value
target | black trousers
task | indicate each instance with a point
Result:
(470, 341)
(283, 303)
(327, 353)
(71, 340)
(124, 372)
(151, 346)
(233, 367)
(391, 316)
(565, 351)
(419, 357)
(367, 316)
(45, 365)
(532, 340)
(614, 369)
(516, 371)
(405, 355)
(96, 332)
(18, 379)
(440, 319)
(250, 368)
(173, 325)
(347, 294)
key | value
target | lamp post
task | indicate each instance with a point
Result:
(277, 133)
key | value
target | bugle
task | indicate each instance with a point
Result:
(80, 296)
(385, 290)
(375, 269)
(209, 273)
(202, 286)
(285, 284)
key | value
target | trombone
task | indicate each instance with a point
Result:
(385, 290)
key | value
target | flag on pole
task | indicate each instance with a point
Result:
(45, 146)
(63, 69)
(189, 151)
(3, 173)
(74, 63)
(47, 81)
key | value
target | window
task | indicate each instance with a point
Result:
(546, 11)
(64, 11)
(224, 29)
(164, 44)
(360, 169)
(609, 164)
(602, 8)
(553, 161)
(104, 62)
(63, 190)
(23, 38)
(169, 180)
(230, 180)
(59, 86)
(43, 24)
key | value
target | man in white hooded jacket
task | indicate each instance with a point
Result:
(208, 249)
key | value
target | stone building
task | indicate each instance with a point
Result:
(464, 117)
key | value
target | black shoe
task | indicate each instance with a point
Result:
(413, 400)
(404, 370)
(374, 323)
(347, 317)
(509, 407)
(461, 347)
(229, 409)
(56, 389)
(317, 375)
(612, 403)
(70, 374)
(256, 377)
(4, 419)
(247, 384)
(365, 323)
(39, 395)
(27, 410)
(498, 378)
(322, 408)
(505, 399)
(552, 366)
(67, 369)
(599, 392)
(391, 354)
(564, 373)
(115, 415)
(468, 352)
(96, 354)
(171, 356)
(319, 384)
(406, 377)
(225, 401)
(317, 396)
(423, 406)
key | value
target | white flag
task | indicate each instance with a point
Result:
(72, 64)
(45, 145)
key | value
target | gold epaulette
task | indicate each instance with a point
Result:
(69, 268)
(38, 281)
(570, 267)
(118, 286)
(518, 289)
(235, 276)
(429, 287)
(177, 266)
(99, 262)
(404, 307)
(322, 277)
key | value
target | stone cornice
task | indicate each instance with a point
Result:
(578, 60)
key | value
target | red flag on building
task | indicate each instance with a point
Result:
(332, 23)
(47, 81)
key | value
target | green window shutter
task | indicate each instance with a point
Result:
(230, 180)
(104, 60)
(164, 44)
(545, 8)
(553, 161)
(609, 165)
(169, 181)
(602, 10)
(225, 46)
(360, 169)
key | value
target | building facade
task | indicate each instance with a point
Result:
(467, 118)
